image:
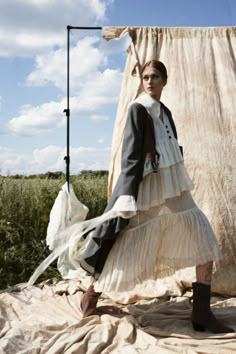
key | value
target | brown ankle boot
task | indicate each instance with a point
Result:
(89, 301)
(202, 317)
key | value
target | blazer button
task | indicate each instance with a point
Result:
(169, 137)
(166, 126)
(167, 131)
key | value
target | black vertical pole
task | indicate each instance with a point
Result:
(67, 112)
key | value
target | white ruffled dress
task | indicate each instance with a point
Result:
(167, 231)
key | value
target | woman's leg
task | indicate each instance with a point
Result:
(89, 300)
(204, 273)
(202, 317)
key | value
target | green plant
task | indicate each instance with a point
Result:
(25, 206)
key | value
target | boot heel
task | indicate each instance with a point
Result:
(198, 327)
(89, 301)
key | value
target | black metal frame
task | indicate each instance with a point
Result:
(67, 110)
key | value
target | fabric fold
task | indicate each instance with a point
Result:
(180, 242)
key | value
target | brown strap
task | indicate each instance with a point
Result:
(149, 143)
(161, 114)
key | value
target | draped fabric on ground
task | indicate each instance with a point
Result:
(47, 319)
(201, 91)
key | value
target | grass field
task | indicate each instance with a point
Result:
(25, 205)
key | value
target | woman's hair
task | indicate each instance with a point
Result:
(158, 65)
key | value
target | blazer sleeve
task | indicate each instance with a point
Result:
(132, 162)
(132, 156)
(132, 159)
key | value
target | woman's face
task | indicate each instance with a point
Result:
(153, 82)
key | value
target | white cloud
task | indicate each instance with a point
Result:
(39, 3)
(107, 83)
(100, 140)
(87, 158)
(99, 117)
(93, 87)
(85, 59)
(94, 102)
(51, 158)
(32, 26)
(92, 91)
(36, 120)
(37, 29)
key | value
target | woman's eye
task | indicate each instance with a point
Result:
(152, 77)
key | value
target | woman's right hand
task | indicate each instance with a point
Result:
(127, 214)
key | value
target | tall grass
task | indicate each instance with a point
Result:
(25, 206)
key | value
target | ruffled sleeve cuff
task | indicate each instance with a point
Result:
(126, 203)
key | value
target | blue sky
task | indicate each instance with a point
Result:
(33, 74)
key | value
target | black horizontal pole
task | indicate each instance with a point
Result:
(84, 28)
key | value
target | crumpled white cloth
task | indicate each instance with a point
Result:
(67, 210)
(66, 227)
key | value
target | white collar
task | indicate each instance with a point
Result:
(152, 105)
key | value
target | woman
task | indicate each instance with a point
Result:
(160, 229)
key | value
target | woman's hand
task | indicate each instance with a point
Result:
(127, 213)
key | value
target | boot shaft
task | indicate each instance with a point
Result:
(201, 302)
(202, 317)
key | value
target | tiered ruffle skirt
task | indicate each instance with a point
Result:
(173, 235)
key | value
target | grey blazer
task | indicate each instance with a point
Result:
(139, 140)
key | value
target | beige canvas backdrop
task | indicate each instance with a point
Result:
(201, 93)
